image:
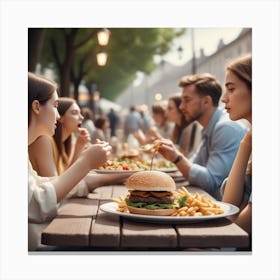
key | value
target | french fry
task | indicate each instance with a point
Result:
(195, 205)
(186, 191)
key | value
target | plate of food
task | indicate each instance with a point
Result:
(153, 198)
(112, 208)
(106, 171)
(129, 165)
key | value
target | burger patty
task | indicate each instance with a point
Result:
(151, 197)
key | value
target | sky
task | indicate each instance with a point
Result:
(206, 38)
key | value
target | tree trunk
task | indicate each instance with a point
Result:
(76, 90)
(65, 80)
(65, 71)
(35, 42)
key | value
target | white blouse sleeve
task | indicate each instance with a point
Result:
(80, 190)
(42, 201)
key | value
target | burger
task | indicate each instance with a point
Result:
(150, 193)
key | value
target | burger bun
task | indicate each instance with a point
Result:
(145, 211)
(151, 181)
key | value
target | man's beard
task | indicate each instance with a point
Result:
(194, 117)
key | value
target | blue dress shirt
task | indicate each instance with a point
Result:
(213, 160)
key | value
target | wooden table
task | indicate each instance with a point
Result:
(81, 224)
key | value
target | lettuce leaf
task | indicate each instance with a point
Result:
(149, 206)
(182, 201)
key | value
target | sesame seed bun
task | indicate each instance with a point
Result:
(150, 181)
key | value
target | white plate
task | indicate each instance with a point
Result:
(229, 209)
(106, 171)
(167, 170)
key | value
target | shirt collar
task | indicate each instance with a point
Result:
(215, 117)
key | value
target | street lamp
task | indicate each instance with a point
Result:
(101, 58)
(180, 52)
(193, 52)
(103, 36)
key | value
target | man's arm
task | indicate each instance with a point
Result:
(225, 141)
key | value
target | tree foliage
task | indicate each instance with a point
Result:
(71, 53)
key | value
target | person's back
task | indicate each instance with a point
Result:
(146, 120)
(113, 119)
(132, 122)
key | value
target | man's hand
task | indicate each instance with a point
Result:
(167, 149)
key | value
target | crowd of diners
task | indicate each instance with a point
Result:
(208, 144)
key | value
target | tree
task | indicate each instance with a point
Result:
(71, 53)
(60, 48)
(35, 42)
(130, 50)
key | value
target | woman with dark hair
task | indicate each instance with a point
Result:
(53, 155)
(237, 187)
(161, 128)
(101, 128)
(88, 122)
(45, 193)
(185, 135)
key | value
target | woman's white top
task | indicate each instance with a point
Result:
(42, 204)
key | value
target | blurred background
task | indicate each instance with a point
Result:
(104, 68)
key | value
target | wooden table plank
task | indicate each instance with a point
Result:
(101, 193)
(119, 191)
(79, 224)
(78, 207)
(215, 233)
(67, 232)
(144, 235)
(105, 231)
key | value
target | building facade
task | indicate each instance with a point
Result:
(165, 79)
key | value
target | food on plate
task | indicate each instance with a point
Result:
(137, 163)
(150, 193)
(194, 205)
(129, 153)
(153, 193)
(150, 148)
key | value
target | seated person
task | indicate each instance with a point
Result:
(237, 187)
(161, 129)
(45, 193)
(211, 164)
(186, 136)
(51, 156)
(102, 125)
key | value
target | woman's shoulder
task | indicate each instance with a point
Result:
(41, 144)
(44, 140)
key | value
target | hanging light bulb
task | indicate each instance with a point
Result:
(158, 96)
(103, 36)
(101, 58)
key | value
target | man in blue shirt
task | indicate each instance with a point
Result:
(212, 162)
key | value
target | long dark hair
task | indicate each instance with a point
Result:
(242, 68)
(178, 129)
(64, 148)
(39, 88)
